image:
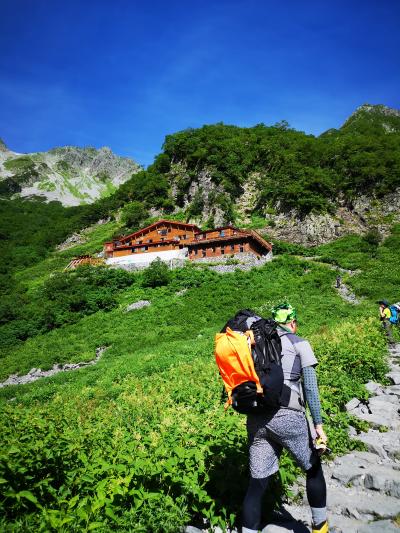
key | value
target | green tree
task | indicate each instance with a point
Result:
(133, 215)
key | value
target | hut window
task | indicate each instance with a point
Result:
(222, 250)
(203, 252)
(232, 247)
(222, 233)
(133, 250)
(162, 231)
(241, 248)
(143, 248)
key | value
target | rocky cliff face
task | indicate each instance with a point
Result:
(70, 175)
(366, 213)
(361, 216)
(199, 195)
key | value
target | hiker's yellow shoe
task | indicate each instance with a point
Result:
(321, 528)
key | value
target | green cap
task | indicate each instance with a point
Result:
(284, 313)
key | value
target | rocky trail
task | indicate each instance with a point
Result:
(343, 289)
(346, 294)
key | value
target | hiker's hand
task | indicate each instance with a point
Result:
(321, 433)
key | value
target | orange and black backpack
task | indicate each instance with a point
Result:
(248, 353)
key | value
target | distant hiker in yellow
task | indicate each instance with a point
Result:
(286, 427)
(384, 315)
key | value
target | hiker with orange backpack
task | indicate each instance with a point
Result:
(286, 427)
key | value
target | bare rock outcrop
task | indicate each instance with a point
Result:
(315, 229)
(199, 192)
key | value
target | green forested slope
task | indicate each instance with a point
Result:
(292, 171)
(296, 170)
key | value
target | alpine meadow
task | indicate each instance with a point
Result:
(139, 439)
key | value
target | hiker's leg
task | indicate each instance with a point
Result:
(316, 492)
(292, 431)
(264, 461)
(388, 330)
(252, 503)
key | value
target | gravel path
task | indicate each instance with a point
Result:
(346, 294)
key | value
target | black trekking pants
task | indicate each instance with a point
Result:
(252, 504)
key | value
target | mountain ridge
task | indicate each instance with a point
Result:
(69, 174)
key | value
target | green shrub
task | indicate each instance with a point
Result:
(156, 275)
(373, 237)
(283, 247)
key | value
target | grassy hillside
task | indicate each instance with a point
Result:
(140, 442)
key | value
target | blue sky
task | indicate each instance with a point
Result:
(126, 73)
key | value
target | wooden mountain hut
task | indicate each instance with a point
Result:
(227, 241)
(170, 240)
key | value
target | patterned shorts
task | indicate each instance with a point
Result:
(268, 434)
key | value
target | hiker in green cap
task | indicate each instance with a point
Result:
(286, 427)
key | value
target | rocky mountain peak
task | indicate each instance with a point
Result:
(70, 174)
(378, 108)
(370, 116)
